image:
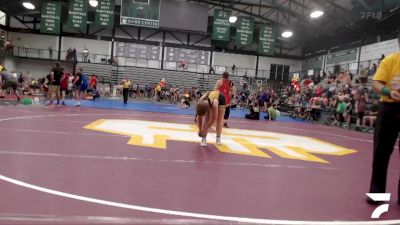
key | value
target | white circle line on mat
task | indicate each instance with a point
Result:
(189, 214)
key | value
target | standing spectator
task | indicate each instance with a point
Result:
(372, 71)
(85, 54)
(68, 57)
(50, 52)
(64, 87)
(55, 79)
(226, 87)
(8, 81)
(157, 92)
(212, 71)
(70, 85)
(233, 69)
(77, 87)
(125, 89)
(386, 82)
(73, 56)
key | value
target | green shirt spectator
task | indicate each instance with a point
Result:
(341, 108)
(272, 113)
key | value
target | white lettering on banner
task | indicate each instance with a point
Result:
(236, 141)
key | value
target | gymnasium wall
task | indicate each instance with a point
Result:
(264, 63)
(94, 46)
(240, 61)
(39, 41)
(32, 67)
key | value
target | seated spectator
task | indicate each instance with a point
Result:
(271, 113)
(372, 113)
(360, 105)
(325, 101)
(254, 111)
(234, 103)
(318, 91)
(342, 113)
(363, 76)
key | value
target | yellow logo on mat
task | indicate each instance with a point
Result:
(236, 141)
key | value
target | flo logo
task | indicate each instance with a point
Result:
(235, 141)
(379, 198)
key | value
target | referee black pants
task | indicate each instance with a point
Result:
(125, 92)
(386, 133)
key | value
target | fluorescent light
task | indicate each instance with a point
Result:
(287, 34)
(232, 19)
(93, 3)
(28, 5)
(316, 14)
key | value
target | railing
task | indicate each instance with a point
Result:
(86, 57)
(237, 71)
(195, 68)
(53, 55)
(34, 53)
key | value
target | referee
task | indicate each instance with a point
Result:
(386, 82)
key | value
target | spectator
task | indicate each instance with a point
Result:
(85, 54)
(125, 89)
(64, 87)
(50, 52)
(372, 71)
(360, 105)
(77, 87)
(254, 111)
(272, 113)
(363, 76)
(55, 81)
(372, 114)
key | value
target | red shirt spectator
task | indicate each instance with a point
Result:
(93, 82)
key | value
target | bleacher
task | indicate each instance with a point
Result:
(115, 74)
(102, 71)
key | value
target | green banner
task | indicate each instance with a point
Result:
(244, 31)
(342, 56)
(105, 13)
(51, 17)
(142, 13)
(77, 14)
(266, 44)
(221, 25)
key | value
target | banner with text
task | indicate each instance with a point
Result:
(77, 14)
(342, 56)
(105, 13)
(51, 17)
(313, 63)
(142, 13)
(244, 31)
(266, 44)
(221, 26)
